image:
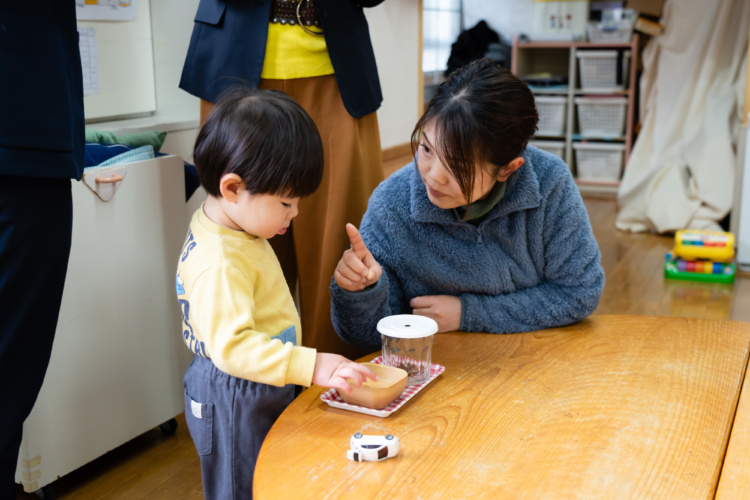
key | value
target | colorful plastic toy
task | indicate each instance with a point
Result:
(694, 244)
(701, 256)
(698, 270)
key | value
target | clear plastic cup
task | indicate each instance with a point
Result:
(407, 344)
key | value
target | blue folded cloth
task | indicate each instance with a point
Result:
(136, 154)
(95, 153)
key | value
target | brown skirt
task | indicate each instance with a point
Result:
(353, 168)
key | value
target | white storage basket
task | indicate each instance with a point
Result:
(598, 70)
(612, 32)
(554, 147)
(601, 116)
(599, 162)
(551, 115)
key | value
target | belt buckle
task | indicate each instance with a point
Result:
(302, 25)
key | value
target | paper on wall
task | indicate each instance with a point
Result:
(89, 60)
(106, 10)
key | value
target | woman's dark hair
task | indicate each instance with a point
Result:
(264, 137)
(482, 114)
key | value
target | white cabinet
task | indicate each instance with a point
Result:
(118, 357)
(598, 122)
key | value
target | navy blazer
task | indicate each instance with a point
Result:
(229, 43)
(41, 90)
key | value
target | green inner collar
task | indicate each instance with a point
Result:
(479, 208)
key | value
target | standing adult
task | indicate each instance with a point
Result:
(41, 149)
(319, 52)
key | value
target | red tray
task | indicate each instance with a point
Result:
(332, 398)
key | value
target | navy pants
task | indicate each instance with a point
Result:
(228, 419)
(36, 222)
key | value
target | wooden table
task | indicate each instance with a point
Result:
(611, 407)
(735, 473)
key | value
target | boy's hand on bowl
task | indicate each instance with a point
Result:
(332, 370)
(357, 268)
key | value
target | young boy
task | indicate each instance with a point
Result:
(256, 155)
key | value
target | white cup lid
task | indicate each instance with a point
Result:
(407, 326)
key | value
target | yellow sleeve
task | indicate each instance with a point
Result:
(222, 309)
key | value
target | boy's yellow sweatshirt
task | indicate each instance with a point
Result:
(236, 306)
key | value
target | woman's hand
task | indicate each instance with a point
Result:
(332, 370)
(444, 309)
(357, 268)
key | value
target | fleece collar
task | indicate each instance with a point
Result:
(521, 193)
(480, 208)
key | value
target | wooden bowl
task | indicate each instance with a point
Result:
(377, 394)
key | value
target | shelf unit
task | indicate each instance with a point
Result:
(559, 58)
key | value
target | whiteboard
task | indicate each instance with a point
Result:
(126, 67)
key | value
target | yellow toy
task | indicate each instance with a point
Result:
(694, 244)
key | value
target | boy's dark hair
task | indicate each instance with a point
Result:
(263, 136)
(482, 113)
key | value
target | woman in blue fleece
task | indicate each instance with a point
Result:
(480, 233)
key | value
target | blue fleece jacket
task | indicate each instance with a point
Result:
(531, 263)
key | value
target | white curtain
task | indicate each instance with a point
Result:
(681, 170)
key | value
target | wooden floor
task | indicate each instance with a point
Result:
(154, 466)
(635, 284)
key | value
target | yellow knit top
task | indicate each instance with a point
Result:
(291, 52)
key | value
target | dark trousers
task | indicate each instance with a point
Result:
(228, 419)
(36, 222)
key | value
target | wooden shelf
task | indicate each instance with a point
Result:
(550, 90)
(578, 92)
(617, 93)
(559, 58)
(581, 138)
(548, 137)
(540, 44)
(597, 187)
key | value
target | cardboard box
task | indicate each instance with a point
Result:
(646, 7)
